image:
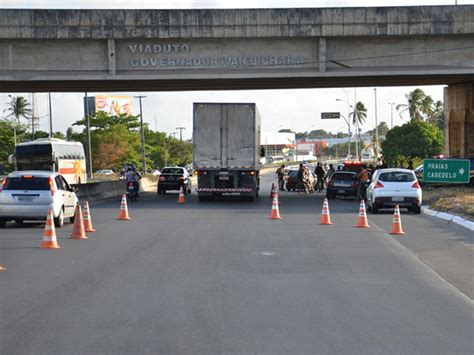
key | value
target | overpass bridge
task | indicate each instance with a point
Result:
(166, 50)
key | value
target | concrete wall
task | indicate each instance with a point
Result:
(101, 190)
(459, 120)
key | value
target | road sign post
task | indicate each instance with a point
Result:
(455, 171)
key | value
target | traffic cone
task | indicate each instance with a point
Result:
(325, 217)
(49, 234)
(181, 196)
(123, 214)
(397, 222)
(272, 191)
(78, 231)
(87, 218)
(275, 214)
(362, 218)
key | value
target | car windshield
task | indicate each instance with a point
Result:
(342, 176)
(397, 176)
(172, 171)
(293, 173)
(27, 183)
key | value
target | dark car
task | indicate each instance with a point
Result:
(342, 183)
(293, 183)
(173, 178)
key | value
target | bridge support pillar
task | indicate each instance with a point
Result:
(459, 120)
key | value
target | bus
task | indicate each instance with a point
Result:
(67, 158)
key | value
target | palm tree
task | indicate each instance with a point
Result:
(358, 118)
(416, 106)
(359, 114)
(18, 107)
(436, 114)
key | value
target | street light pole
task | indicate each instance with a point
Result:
(376, 126)
(142, 133)
(181, 132)
(50, 117)
(391, 114)
(88, 133)
(347, 121)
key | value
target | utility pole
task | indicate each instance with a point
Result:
(88, 133)
(181, 132)
(391, 114)
(376, 127)
(50, 117)
(142, 133)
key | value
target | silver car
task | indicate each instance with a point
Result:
(29, 195)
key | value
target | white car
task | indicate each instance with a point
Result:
(29, 195)
(391, 187)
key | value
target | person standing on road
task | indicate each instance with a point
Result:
(330, 171)
(320, 173)
(363, 177)
(281, 177)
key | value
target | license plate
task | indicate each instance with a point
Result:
(223, 178)
(397, 199)
(340, 191)
(25, 198)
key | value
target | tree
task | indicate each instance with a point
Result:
(114, 147)
(415, 139)
(18, 107)
(359, 114)
(104, 120)
(436, 114)
(416, 106)
(285, 130)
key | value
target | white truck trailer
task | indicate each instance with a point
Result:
(226, 149)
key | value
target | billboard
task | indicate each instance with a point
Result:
(114, 105)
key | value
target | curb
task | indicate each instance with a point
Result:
(449, 217)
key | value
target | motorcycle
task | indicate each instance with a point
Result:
(132, 191)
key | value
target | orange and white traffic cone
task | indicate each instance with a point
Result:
(275, 214)
(397, 222)
(87, 218)
(272, 191)
(78, 231)
(181, 196)
(325, 217)
(362, 218)
(49, 234)
(123, 214)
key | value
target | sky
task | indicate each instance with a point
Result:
(298, 109)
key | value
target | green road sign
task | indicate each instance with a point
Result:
(446, 170)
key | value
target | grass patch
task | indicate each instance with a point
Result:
(456, 200)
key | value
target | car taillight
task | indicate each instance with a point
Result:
(162, 178)
(4, 183)
(378, 185)
(52, 187)
(416, 185)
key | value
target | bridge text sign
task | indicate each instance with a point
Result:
(446, 170)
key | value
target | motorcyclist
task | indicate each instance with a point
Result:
(133, 177)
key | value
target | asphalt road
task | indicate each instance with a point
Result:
(221, 278)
